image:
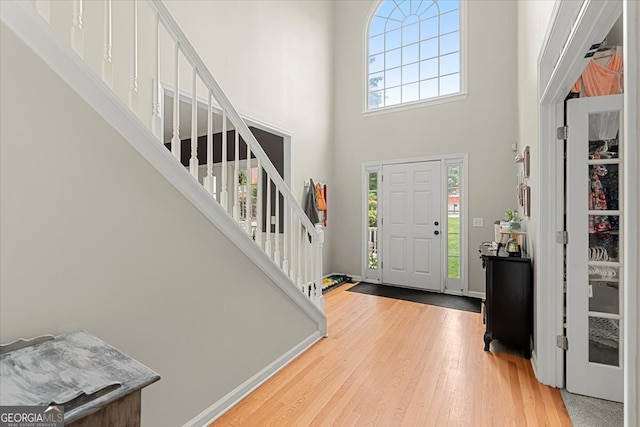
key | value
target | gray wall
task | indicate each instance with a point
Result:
(93, 238)
(483, 125)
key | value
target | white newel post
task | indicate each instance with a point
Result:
(319, 299)
(77, 30)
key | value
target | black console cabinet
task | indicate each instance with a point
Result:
(509, 300)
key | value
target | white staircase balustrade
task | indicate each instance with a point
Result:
(285, 234)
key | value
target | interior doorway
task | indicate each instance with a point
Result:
(575, 28)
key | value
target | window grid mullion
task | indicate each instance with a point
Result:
(401, 59)
(401, 82)
(439, 55)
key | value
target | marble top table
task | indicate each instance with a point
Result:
(76, 370)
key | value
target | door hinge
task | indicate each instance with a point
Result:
(562, 342)
(562, 237)
(562, 133)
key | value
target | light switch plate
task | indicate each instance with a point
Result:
(478, 222)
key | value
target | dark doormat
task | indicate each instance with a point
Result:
(423, 297)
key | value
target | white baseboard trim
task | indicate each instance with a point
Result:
(534, 363)
(26, 22)
(216, 410)
(474, 294)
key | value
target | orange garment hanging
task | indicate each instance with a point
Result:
(600, 80)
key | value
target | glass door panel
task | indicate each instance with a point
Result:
(604, 339)
(594, 225)
(604, 238)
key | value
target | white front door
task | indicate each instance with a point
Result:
(411, 240)
(595, 226)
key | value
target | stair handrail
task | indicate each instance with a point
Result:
(192, 56)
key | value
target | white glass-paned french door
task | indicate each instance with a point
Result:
(595, 226)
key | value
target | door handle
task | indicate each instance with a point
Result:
(436, 223)
(436, 232)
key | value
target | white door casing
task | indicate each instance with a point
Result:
(412, 228)
(594, 363)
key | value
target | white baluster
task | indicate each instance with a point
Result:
(77, 29)
(193, 161)
(276, 252)
(286, 236)
(311, 258)
(293, 252)
(236, 175)
(248, 193)
(44, 9)
(300, 236)
(176, 145)
(308, 255)
(259, 215)
(267, 222)
(133, 90)
(156, 108)
(208, 181)
(318, 268)
(107, 65)
(224, 195)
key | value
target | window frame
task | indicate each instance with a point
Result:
(461, 95)
(452, 284)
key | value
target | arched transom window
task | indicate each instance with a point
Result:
(414, 52)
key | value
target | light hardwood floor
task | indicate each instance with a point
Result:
(395, 363)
